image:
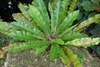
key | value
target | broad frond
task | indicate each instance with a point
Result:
(57, 14)
(37, 17)
(72, 36)
(43, 10)
(26, 27)
(21, 35)
(24, 10)
(68, 21)
(28, 45)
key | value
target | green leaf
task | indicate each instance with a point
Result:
(24, 10)
(80, 16)
(87, 5)
(54, 51)
(72, 36)
(98, 50)
(19, 17)
(95, 1)
(59, 41)
(41, 49)
(21, 35)
(72, 6)
(57, 14)
(64, 57)
(52, 18)
(64, 4)
(74, 61)
(95, 32)
(37, 17)
(26, 27)
(1, 43)
(68, 21)
(42, 8)
(80, 57)
(66, 31)
(28, 45)
(53, 2)
(62, 54)
(37, 44)
(5, 27)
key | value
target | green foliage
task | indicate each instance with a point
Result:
(96, 49)
(57, 13)
(72, 6)
(72, 58)
(27, 27)
(81, 57)
(72, 36)
(87, 5)
(65, 4)
(42, 8)
(68, 21)
(21, 35)
(41, 49)
(86, 12)
(87, 9)
(23, 9)
(27, 45)
(96, 33)
(5, 27)
(2, 59)
(53, 29)
(95, 1)
(35, 14)
(4, 40)
(1, 43)
(54, 51)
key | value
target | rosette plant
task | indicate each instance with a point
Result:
(50, 28)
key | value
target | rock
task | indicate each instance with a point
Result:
(88, 60)
(27, 58)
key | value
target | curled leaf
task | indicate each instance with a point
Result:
(84, 42)
(82, 25)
